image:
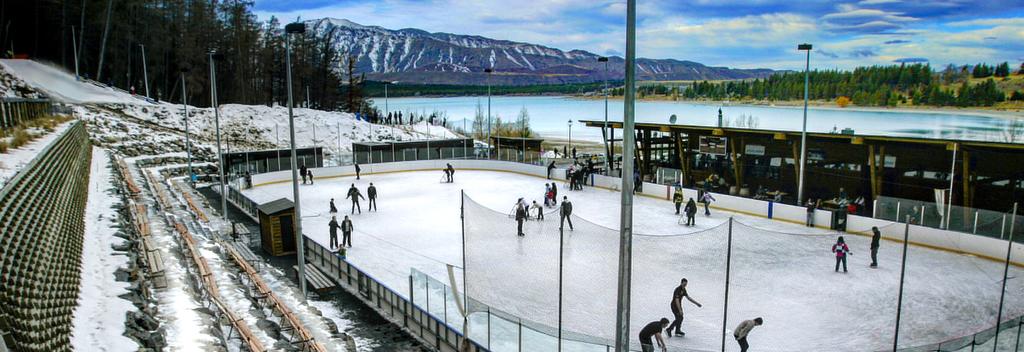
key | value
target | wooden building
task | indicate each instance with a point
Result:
(277, 229)
(454, 148)
(512, 148)
(864, 166)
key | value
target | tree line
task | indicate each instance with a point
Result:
(177, 35)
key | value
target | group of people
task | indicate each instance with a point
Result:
(306, 174)
(690, 210)
(654, 329)
(550, 195)
(521, 212)
(842, 250)
(577, 174)
(399, 118)
(346, 225)
(449, 173)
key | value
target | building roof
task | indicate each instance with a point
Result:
(276, 206)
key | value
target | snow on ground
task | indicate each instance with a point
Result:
(780, 271)
(62, 85)
(15, 159)
(100, 316)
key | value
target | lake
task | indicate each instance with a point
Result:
(549, 116)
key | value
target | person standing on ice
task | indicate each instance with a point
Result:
(357, 171)
(353, 193)
(841, 250)
(310, 174)
(540, 210)
(810, 212)
(371, 193)
(554, 194)
(346, 232)
(551, 167)
(707, 199)
(520, 217)
(691, 213)
(876, 237)
(333, 225)
(653, 329)
(565, 213)
(451, 173)
(334, 210)
(743, 330)
(677, 198)
(302, 172)
(677, 308)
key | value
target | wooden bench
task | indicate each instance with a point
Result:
(247, 254)
(316, 278)
(240, 231)
(155, 262)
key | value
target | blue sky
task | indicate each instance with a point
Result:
(735, 33)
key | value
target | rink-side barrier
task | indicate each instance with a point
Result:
(952, 241)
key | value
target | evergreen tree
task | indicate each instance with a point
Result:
(1002, 70)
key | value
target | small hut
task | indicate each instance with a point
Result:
(277, 230)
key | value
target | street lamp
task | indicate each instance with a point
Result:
(145, 75)
(214, 57)
(295, 28)
(608, 151)
(570, 137)
(488, 71)
(188, 140)
(803, 133)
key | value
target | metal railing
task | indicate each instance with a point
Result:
(981, 222)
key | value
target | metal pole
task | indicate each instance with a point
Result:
(1002, 228)
(975, 223)
(608, 156)
(949, 202)
(103, 43)
(216, 119)
(903, 272)
(561, 253)
(803, 133)
(277, 133)
(626, 217)
(489, 112)
(145, 75)
(188, 140)
(728, 267)
(74, 45)
(295, 172)
(465, 284)
(1006, 271)
(898, 204)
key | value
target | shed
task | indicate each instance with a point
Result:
(277, 229)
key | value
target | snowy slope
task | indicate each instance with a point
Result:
(15, 159)
(63, 86)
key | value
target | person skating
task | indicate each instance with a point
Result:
(743, 330)
(302, 172)
(540, 210)
(571, 175)
(554, 194)
(353, 193)
(334, 210)
(520, 217)
(691, 212)
(876, 237)
(371, 193)
(309, 173)
(357, 171)
(333, 225)
(566, 211)
(841, 250)
(677, 308)
(346, 232)
(451, 173)
(707, 199)
(677, 198)
(810, 212)
(551, 167)
(653, 329)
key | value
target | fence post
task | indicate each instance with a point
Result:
(1002, 228)
(488, 327)
(903, 271)
(520, 344)
(975, 222)
(728, 263)
(874, 210)
(898, 204)
(1006, 271)
(1016, 346)
(922, 215)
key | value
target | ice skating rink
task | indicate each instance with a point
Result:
(780, 271)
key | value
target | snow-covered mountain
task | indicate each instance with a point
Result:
(416, 56)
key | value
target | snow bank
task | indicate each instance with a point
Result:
(100, 316)
(62, 85)
(15, 159)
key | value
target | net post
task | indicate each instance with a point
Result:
(903, 271)
(465, 289)
(520, 344)
(1006, 270)
(488, 327)
(561, 244)
(728, 263)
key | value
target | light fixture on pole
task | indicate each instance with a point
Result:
(570, 134)
(608, 153)
(188, 138)
(214, 57)
(803, 133)
(145, 74)
(295, 28)
(488, 71)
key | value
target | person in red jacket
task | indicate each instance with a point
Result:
(841, 251)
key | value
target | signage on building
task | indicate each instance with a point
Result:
(713, 145)
(754, 149)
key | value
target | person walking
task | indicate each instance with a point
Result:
(357, 171)
(346, 232)
(810, 212)
(677, 198)
(743, 330)
(451, 173)
(566, 211)
(677, 308)
(371, 193)
(333, 225)
(334, 210)
(691, 212)
(841, 250)
(653, 329)
(638, 183)
(876, 237)
(520, 218)
(551, 167)
(540, 210)
(353, 193)
(707, 199)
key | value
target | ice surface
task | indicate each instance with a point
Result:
(780, 271)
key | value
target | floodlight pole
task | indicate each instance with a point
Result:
(188, 140)
(145, 74)
(216, 118)
(608, 152)
(74, 45)
(488, 71)
(291, 28)
(626, 217)
(803, 133)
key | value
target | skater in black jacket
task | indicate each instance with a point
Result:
(520, 217)
(333, 225)
(346, 232)
(334, 210)
(357, 171)
(876, 237)
(691, 213)
(565, 213)
(353, 193)
(371, 193)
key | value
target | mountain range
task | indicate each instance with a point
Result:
(416, 56)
